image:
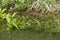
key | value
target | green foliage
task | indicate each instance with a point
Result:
(20, 4)
(49, 1)
(5, 2)
(47, 22)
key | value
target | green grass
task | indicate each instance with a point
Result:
(47, 22)
(29, 20)
(30, 14)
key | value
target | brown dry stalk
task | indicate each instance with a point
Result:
(49, 8)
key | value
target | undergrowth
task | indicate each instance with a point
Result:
(47, 22)
(37, 15)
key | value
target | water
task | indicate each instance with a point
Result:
(28, 35)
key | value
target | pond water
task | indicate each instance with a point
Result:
(28, 35)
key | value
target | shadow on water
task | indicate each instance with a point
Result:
(29, 35)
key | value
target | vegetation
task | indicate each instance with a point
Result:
(36, 15)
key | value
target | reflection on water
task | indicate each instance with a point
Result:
(29, 35)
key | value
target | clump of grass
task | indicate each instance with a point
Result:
(27, 5)
(47, 22)
(35, 14)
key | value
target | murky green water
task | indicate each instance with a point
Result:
(28, 35)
